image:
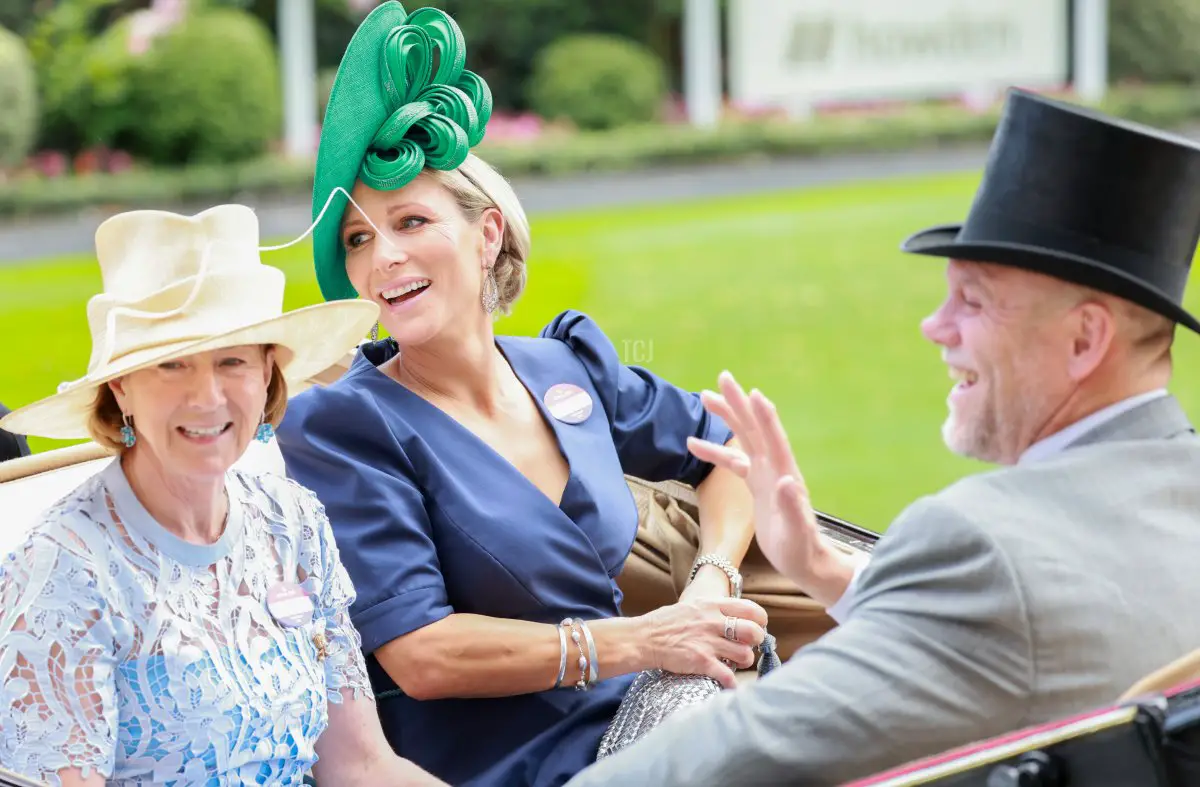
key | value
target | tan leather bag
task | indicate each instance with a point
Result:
(667, 542)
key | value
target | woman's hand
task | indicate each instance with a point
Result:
(689, 637)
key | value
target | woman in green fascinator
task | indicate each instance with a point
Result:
(476, 483)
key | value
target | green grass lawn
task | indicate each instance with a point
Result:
(801, 294)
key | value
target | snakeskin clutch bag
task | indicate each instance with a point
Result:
(656, 694)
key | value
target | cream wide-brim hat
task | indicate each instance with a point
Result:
(179, 285)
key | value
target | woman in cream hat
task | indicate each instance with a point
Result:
(173, 619)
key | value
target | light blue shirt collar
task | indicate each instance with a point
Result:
(1059, 440)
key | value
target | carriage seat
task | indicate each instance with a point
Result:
(1185, 669)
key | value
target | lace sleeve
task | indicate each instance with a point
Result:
(57, 656)
(345, 667)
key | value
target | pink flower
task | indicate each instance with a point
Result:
(51, 163)
(119, 161)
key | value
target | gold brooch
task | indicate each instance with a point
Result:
(322, 645)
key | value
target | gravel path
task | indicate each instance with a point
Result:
(34, 238)
(23, 240)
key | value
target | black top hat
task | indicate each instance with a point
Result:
(1083, 197)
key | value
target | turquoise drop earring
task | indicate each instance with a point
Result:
(127, 435)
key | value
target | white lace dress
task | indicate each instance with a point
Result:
(127, 651)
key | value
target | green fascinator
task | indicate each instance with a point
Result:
(402, 100)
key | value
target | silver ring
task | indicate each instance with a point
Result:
(731, 629)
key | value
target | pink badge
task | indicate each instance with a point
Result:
(568, 403)
(289, 604)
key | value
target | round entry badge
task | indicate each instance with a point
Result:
(568, 403)
(289, 604)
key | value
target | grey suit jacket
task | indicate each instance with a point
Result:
(1010, 598)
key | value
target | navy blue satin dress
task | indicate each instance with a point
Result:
(430, 521)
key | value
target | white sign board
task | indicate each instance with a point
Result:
(797, 52)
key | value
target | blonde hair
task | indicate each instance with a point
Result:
(105, 421)
(476, 186)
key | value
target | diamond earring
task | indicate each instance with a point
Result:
(490, 297)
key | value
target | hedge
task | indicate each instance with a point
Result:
(18, 96)
(208, 90)
(621, 149)
(1154, 40)
(597, 81)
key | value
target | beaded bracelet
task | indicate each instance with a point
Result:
(582, 684)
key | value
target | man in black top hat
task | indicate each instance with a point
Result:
(11, 446)
(1037, 590)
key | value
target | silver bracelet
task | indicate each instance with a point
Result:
(593, 670)
(562, 656)
(721, 562)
